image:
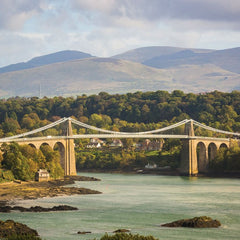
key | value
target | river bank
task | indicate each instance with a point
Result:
(19, 190)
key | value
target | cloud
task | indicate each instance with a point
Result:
(17, 47)
(108, 11)
(14, 13)
(107, 27)
(119, 13)
(105, 6)
(213, 10)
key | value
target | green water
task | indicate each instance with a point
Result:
(140, 203)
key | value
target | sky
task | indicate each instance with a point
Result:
(103, 28)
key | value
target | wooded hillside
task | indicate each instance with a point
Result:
(138, 111)
(125, 112)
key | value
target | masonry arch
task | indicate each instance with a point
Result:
(62, 151)
(202, 158)
(223, 145)
(212, 151)
(32, 145)
(45, 147)
(44, 144)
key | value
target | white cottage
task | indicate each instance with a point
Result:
(42, 175)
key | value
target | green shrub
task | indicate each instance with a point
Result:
(125, 236)
(6, 175)
(23, 237)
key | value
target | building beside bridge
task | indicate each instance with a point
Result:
(116, 143)
(95, 143)
(42, 175)
(150, 145)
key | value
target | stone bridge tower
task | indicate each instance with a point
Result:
(70, 161)
(189, 153)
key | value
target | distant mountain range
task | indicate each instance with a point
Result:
(69, 73)
(62, 56)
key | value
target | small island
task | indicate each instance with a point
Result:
(196, 222)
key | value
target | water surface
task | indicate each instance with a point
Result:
(140, 203)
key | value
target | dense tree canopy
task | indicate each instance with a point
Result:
(217, 109)
(139, 111)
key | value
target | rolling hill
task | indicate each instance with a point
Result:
(227, 59)
(70, 73)
(144, 54)
(61, 56)
(170, 57)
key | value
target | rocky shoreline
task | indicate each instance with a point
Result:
(18, 190)
(7, 209)
(12, 191)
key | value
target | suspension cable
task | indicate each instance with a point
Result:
(37, 130)
(214, 129)
(115, 132)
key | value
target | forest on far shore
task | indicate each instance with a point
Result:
(131, 112)
(125, 112)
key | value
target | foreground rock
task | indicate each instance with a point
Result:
(83, 232)
(197, 222)
(10, 228)
(121, 230)
(8, 209)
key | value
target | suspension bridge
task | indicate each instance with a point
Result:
(196, 153)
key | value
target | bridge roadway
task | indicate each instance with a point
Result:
(103, 136)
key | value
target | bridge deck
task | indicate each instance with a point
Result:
(103, 136)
